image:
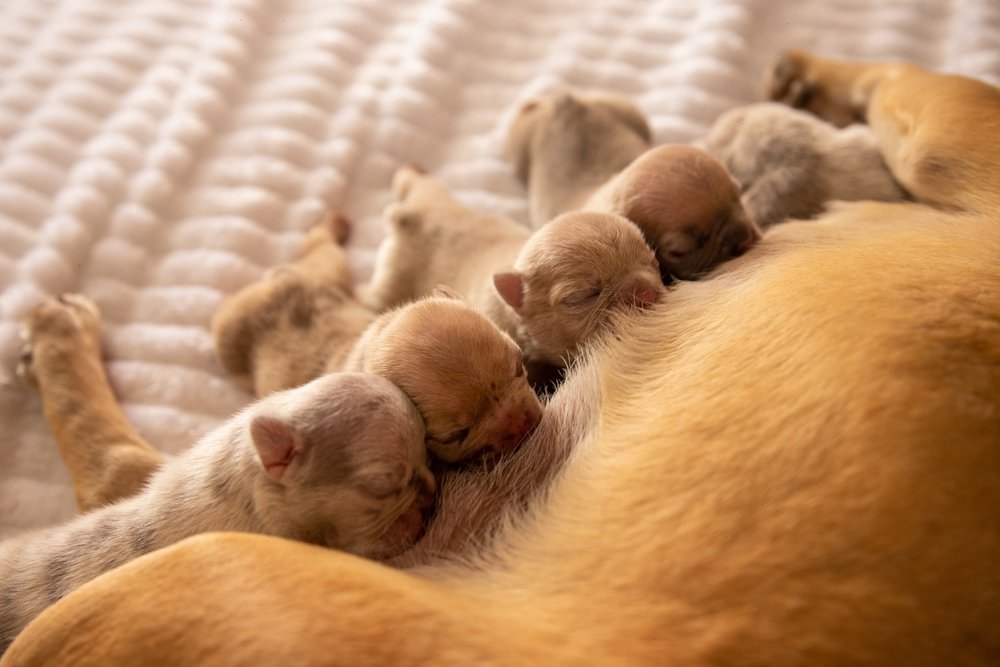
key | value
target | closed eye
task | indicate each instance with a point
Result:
(581, 297)
(457, 436)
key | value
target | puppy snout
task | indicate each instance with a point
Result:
(640, 293)
(517, 424)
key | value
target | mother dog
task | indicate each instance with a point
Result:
(795, 462)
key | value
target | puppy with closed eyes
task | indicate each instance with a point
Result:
(552, 290)
(789, 163)
(465, 375)
(591, 151)
(339, 462)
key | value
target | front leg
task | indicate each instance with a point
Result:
(61, 358)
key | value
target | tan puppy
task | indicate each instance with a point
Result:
(464, 375)
(338, 462)
(551, 291)
(566, 144)
(789, 163)
(591, 151)
(822, 492)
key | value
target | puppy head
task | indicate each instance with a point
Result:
(572, 275)
(345, 463)
(557, 122)
(687, 206)
(465, 376)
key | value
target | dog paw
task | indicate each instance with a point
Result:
(63, 325)
(787, 81)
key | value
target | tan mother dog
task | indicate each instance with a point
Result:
(794, 462)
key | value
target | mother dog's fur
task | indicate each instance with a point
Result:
(796, 462)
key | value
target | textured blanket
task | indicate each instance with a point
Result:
(159, 155)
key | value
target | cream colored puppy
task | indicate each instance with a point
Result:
(338, 462)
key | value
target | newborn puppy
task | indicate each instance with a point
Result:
(687, 206)
(591, 151)
(551, 290)
(789, 163)
(339, 462)
(464, 375)
(565, 145)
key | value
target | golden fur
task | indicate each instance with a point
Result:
(794, 462)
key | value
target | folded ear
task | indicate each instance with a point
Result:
(278, 444)
(510, 286)
(446, 292)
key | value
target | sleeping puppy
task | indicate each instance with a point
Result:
(552, 290)
(789, 163)
(591, 151)
(338, 462)
(464, 375)
(730, 480)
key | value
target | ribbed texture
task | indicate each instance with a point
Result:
(159, 155)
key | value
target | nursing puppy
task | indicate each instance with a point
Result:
(789, 163)
(465, 376)
(339, 462)
(591, 151)
(822, 492)
(551, 290)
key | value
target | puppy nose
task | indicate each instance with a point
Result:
(517, 425)
(640, 293)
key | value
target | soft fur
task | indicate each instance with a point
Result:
(338, 462)
(793, 462)
(789, 163)
(302, 320)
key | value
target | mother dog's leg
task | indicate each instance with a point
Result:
(939, 133)
(106, 457)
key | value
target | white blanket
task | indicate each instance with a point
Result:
(159, 155)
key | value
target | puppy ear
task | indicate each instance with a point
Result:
(278, 444)
(446, 292)
(517, 147)
(629, 115)
(510, 286)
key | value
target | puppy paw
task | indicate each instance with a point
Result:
(62, 327)
(787, 80)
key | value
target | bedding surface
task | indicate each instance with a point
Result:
(159, 155)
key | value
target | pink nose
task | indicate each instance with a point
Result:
(640, 293)
(517, 424)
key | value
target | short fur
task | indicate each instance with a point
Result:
(339, 462)
(463, 374)
(793, 462)
(789, 163)
(551, 290)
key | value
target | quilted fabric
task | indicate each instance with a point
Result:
(159, 155)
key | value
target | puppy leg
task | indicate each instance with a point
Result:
(106, 457)
(403, 255)
(274, 333)
(939, 133)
